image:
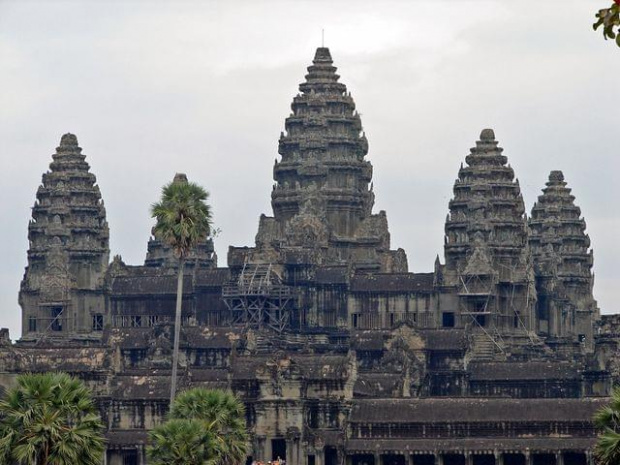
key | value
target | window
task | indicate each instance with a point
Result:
(32, 324)
(56, 324)
(135, 321)
(448, 319)
(98, 322)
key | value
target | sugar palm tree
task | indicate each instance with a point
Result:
(203, 427)
(181, 442)
(224, 416)
(607, 419)
(183, 220)
(50, 419)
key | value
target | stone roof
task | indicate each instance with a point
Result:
(437, 410)
(139, 285)
(393, 282)
(369, 339)
(126, 437)
(376, 384)
(487, 445)
(497, 371)
(216, 277)
(332, 275)
(444, 339)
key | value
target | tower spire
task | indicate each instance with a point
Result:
(321, 200)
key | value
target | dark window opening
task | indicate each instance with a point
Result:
(311, 460)
(313, 416)
(480, 306)
(130, 457)
(331, 456)
(355, 320)
(516, 319)
(424, 459)
(448, 319)
(362, 459)
(56, 314)
(32, 324)
(481, 320)
(394, 459)
(454, 459)
(278, 449)
(98, 322)
(514, 459)
(542, 307)
(543, 459)
(484, 459)
(575, 458)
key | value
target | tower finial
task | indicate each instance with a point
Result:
(323, 37)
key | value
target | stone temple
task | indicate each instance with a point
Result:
(497, 355)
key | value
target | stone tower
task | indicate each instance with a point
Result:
(61, 293)
(160, 254)
(488, 261)
(322, 199)
(563, 261)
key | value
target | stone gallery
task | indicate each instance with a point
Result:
(497, 355)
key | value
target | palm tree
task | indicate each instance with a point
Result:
(50, 418)
(224, 416)
(183, 220)
(181, 442)
(607, 419)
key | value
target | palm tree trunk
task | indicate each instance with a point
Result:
(177, 332)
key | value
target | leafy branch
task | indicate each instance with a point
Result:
(609, 18)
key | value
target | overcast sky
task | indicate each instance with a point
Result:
(153, 88)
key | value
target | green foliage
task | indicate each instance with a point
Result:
(217, 417)
(609, 18)
(181, 442)
(183, 216)
(607, 419)
(224, 415)
(50, 418)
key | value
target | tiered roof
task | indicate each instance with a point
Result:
(487, 214)
(322, 198)
(559, 243)
(68, 220)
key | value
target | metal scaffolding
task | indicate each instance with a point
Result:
(258, 299)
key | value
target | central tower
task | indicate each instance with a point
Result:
(322, 199)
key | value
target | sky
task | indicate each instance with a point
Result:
(152, 88)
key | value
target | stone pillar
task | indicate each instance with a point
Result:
(141, 459)
(499, 457)
(409, 460)
(559, 458)
(469, 458)
(528, 458)
(267, 449)
(291, 456)
(378, 460)
(438, 459)
(319, 456)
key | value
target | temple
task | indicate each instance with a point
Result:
(497, 355)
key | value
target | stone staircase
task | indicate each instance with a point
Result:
(482, 347)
